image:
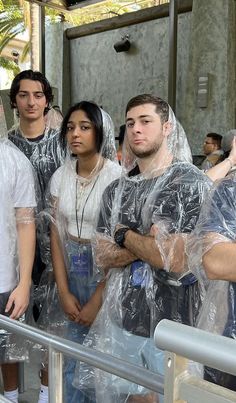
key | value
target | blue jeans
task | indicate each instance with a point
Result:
(82, 285)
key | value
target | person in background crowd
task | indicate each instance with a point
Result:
(120, 139)
(212, 150)
(228, 162)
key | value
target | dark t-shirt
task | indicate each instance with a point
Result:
(173, 199)
(44, 153)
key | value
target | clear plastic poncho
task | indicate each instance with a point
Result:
(216, 226)
(18, 203)
(163, 202)
(54, 117)
(45, 154)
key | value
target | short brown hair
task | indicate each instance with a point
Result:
(162, 107)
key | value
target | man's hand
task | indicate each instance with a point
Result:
(103, 247)
(70, 305)
(18, 301)
(108, 255)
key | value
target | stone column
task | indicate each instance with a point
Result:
(212, 53)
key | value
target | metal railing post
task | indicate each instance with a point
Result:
(55, 376)
(21, 377)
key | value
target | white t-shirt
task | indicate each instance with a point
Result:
(79, 213)
(16, 191)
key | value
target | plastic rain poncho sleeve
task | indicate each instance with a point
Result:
(17, 215)
(216, 225)
(163, 203)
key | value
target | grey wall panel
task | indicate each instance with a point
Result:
(99, 73)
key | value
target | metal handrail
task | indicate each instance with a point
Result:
(103, 361)
(197, 345)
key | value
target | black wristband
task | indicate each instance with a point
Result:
(119, 236)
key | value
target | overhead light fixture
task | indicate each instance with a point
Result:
(123, 45)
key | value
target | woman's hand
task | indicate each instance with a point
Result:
(88, 313)
(70, 305)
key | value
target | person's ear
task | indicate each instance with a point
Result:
(167, 128)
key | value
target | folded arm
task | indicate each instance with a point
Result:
(109, 255)
(145, 247)
(219, 261)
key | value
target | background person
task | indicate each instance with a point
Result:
(212, 150)
(228, 163)
(120, 139)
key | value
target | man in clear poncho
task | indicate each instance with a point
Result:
(17, 247)
(31, 95)
(212, 253)
(144, 220)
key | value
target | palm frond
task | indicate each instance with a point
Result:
(25, 52)
(9, 65)
(6, 39)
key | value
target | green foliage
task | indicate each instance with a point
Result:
(12, 21)
(9, 65)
